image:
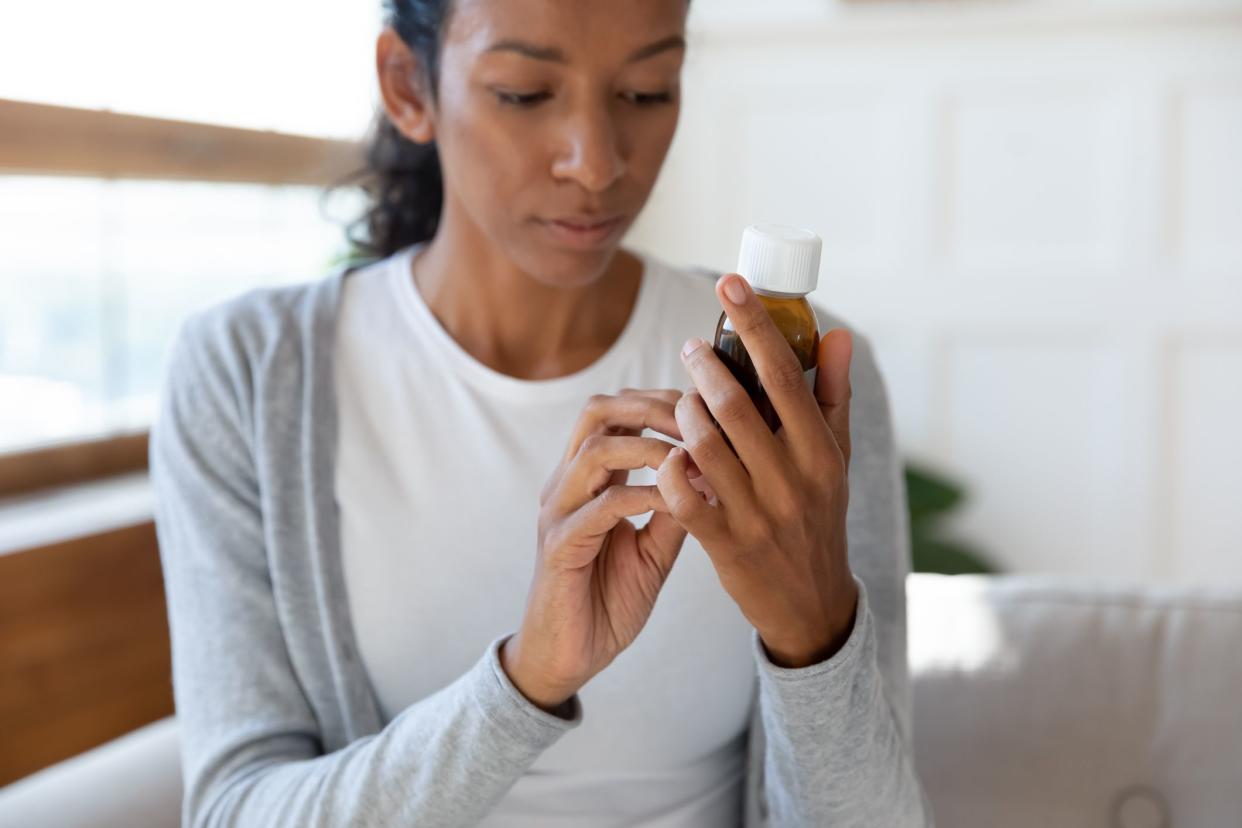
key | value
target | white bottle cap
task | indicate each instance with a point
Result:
(780, 259)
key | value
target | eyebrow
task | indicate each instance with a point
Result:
(551, 53)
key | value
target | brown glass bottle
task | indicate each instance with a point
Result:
(795, 319)
(781, 265)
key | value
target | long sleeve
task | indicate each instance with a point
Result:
(838, 746)
(252, 745)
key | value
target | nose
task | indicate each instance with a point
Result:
(592, 157)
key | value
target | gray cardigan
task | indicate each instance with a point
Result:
(279, 724)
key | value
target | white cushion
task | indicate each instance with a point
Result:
(1037, 702)
(130, 782)
(1042, 701)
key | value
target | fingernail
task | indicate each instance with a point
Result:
(735, 289)
(691, 346)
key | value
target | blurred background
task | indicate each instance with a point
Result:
(1035, 212)
(1033, 208)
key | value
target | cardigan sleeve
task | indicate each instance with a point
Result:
(251, 744)
(838, 749)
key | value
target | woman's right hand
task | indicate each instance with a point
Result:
(596, 577)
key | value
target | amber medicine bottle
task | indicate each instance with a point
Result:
(781, 264)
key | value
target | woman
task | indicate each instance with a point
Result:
(400, 508)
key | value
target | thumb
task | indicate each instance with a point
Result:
(832, 385)
(666, 536)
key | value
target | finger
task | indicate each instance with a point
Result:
(671, 395)
(632, 411)
(780, 372)
(668, 395)
(832, 386)
(599, 515)
(757, 448)
(606, 414)
(720, 466)
(590, 472)
(688, 506)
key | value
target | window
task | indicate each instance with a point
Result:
(97, 275)
(115, 226)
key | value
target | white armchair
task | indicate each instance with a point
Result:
(1037, 702)
(1042, 701)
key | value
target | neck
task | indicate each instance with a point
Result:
(511, 321)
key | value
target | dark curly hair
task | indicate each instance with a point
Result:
(402, 180)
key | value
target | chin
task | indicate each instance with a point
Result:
(568, 268)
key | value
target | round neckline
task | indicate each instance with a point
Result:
(585, 379)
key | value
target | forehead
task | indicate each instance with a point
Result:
(567, 31)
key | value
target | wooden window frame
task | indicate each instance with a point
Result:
(30, 470)
(43, 139)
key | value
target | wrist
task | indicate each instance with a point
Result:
(546, 697)
(806, 649)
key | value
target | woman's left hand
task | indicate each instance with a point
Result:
(776, 532)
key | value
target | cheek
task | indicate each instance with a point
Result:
(488, 162)
(650, 140)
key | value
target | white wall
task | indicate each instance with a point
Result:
(1035, 212)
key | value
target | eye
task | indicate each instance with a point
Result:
(530, 99)
(649, 98)
(519, 99)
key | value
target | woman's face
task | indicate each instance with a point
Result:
(557, 109)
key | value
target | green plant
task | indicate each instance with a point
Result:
(930, 497)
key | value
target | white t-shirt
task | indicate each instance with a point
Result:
(440, 463)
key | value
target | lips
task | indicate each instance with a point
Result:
(584, 232)
(585, 222)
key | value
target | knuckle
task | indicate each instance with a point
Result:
(733, 406)
(821, 482)
(611, 497)
(787, 376)
(704, 450)
(597, 404)
(678, 504)
(652, 407)
(593, 446)
(831, 479)
(698, 357)
(824, 466)
(677, 499)
(686, 506)
(687, 411)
